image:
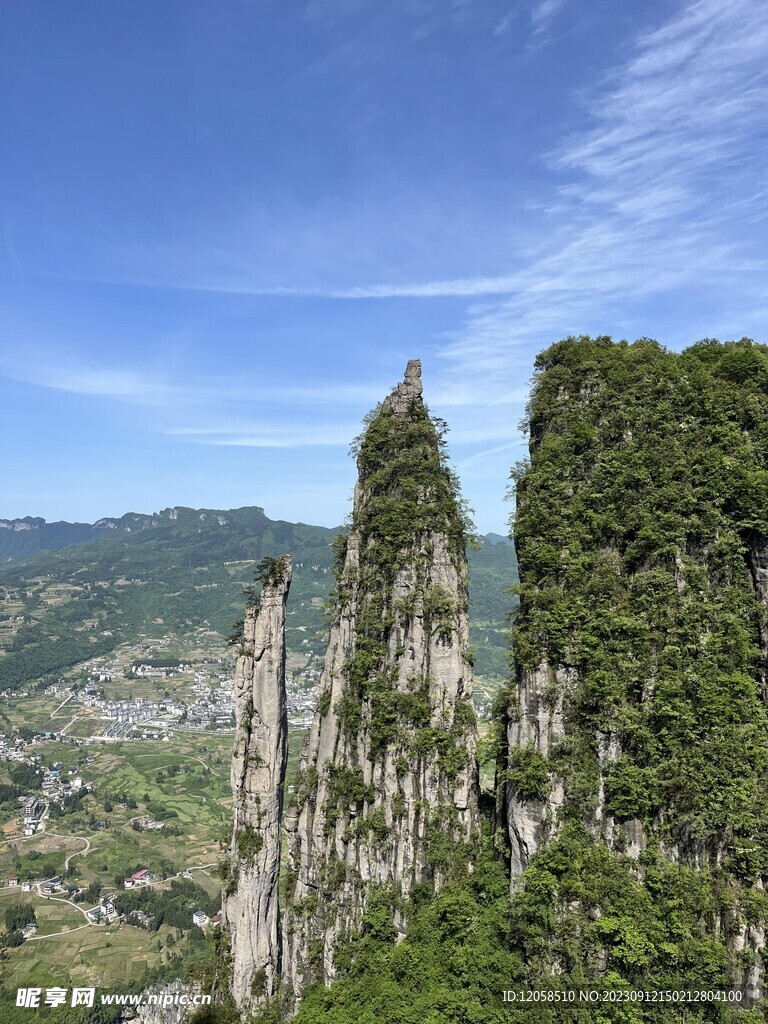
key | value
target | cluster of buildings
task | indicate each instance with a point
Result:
(211, 708)
(48, 888)
(125, 714)
(148, 824)
(140, 919)
(301, 705)
(138, 878)
(157, 672)
(54, 787)
(213, 705)
(12, 749)
(54, 885)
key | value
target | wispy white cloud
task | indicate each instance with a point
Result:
(64, 372)
(479, 456)
(542, 14)
(452, 288)
(268, 435)
(505, 24)
(220, 410)
(664, 194)
(124, 384)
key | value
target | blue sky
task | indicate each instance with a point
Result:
(226, 227)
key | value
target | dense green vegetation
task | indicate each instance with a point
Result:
(639, 520)
(450, 969)
(652, 599)
(16, 917)
(467, 945)
(492, 572)
(410, 490)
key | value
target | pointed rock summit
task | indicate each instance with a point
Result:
(258, 775)
(386, 797)
(407, 391)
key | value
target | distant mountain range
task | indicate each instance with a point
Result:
(22, 537)
(182, 569)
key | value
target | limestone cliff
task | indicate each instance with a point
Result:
(637, 723)
(258, 775)
(387, 790)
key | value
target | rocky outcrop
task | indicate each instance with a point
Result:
(535, 725)
(172, 1003)
(258, 775)
(386, 796)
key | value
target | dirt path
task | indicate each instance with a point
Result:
(187, 757)
(57, 899)
(56, 935)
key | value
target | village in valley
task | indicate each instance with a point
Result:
(117, 799)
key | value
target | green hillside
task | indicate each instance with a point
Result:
(179, 571)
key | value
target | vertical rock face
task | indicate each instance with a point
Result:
(387, 793)
(638, 720)
(532, 818)
(258, 774)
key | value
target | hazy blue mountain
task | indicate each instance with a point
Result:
(497, 538)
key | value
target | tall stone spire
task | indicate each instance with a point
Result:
(387, 789)
(258, 774)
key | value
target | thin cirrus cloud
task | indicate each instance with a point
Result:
(194, 412)
(543, 13)
(123, 384)
(264, 435)
(665, 190)
(479, 456)
(145, 388)
(200, 411)
(661, 192)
